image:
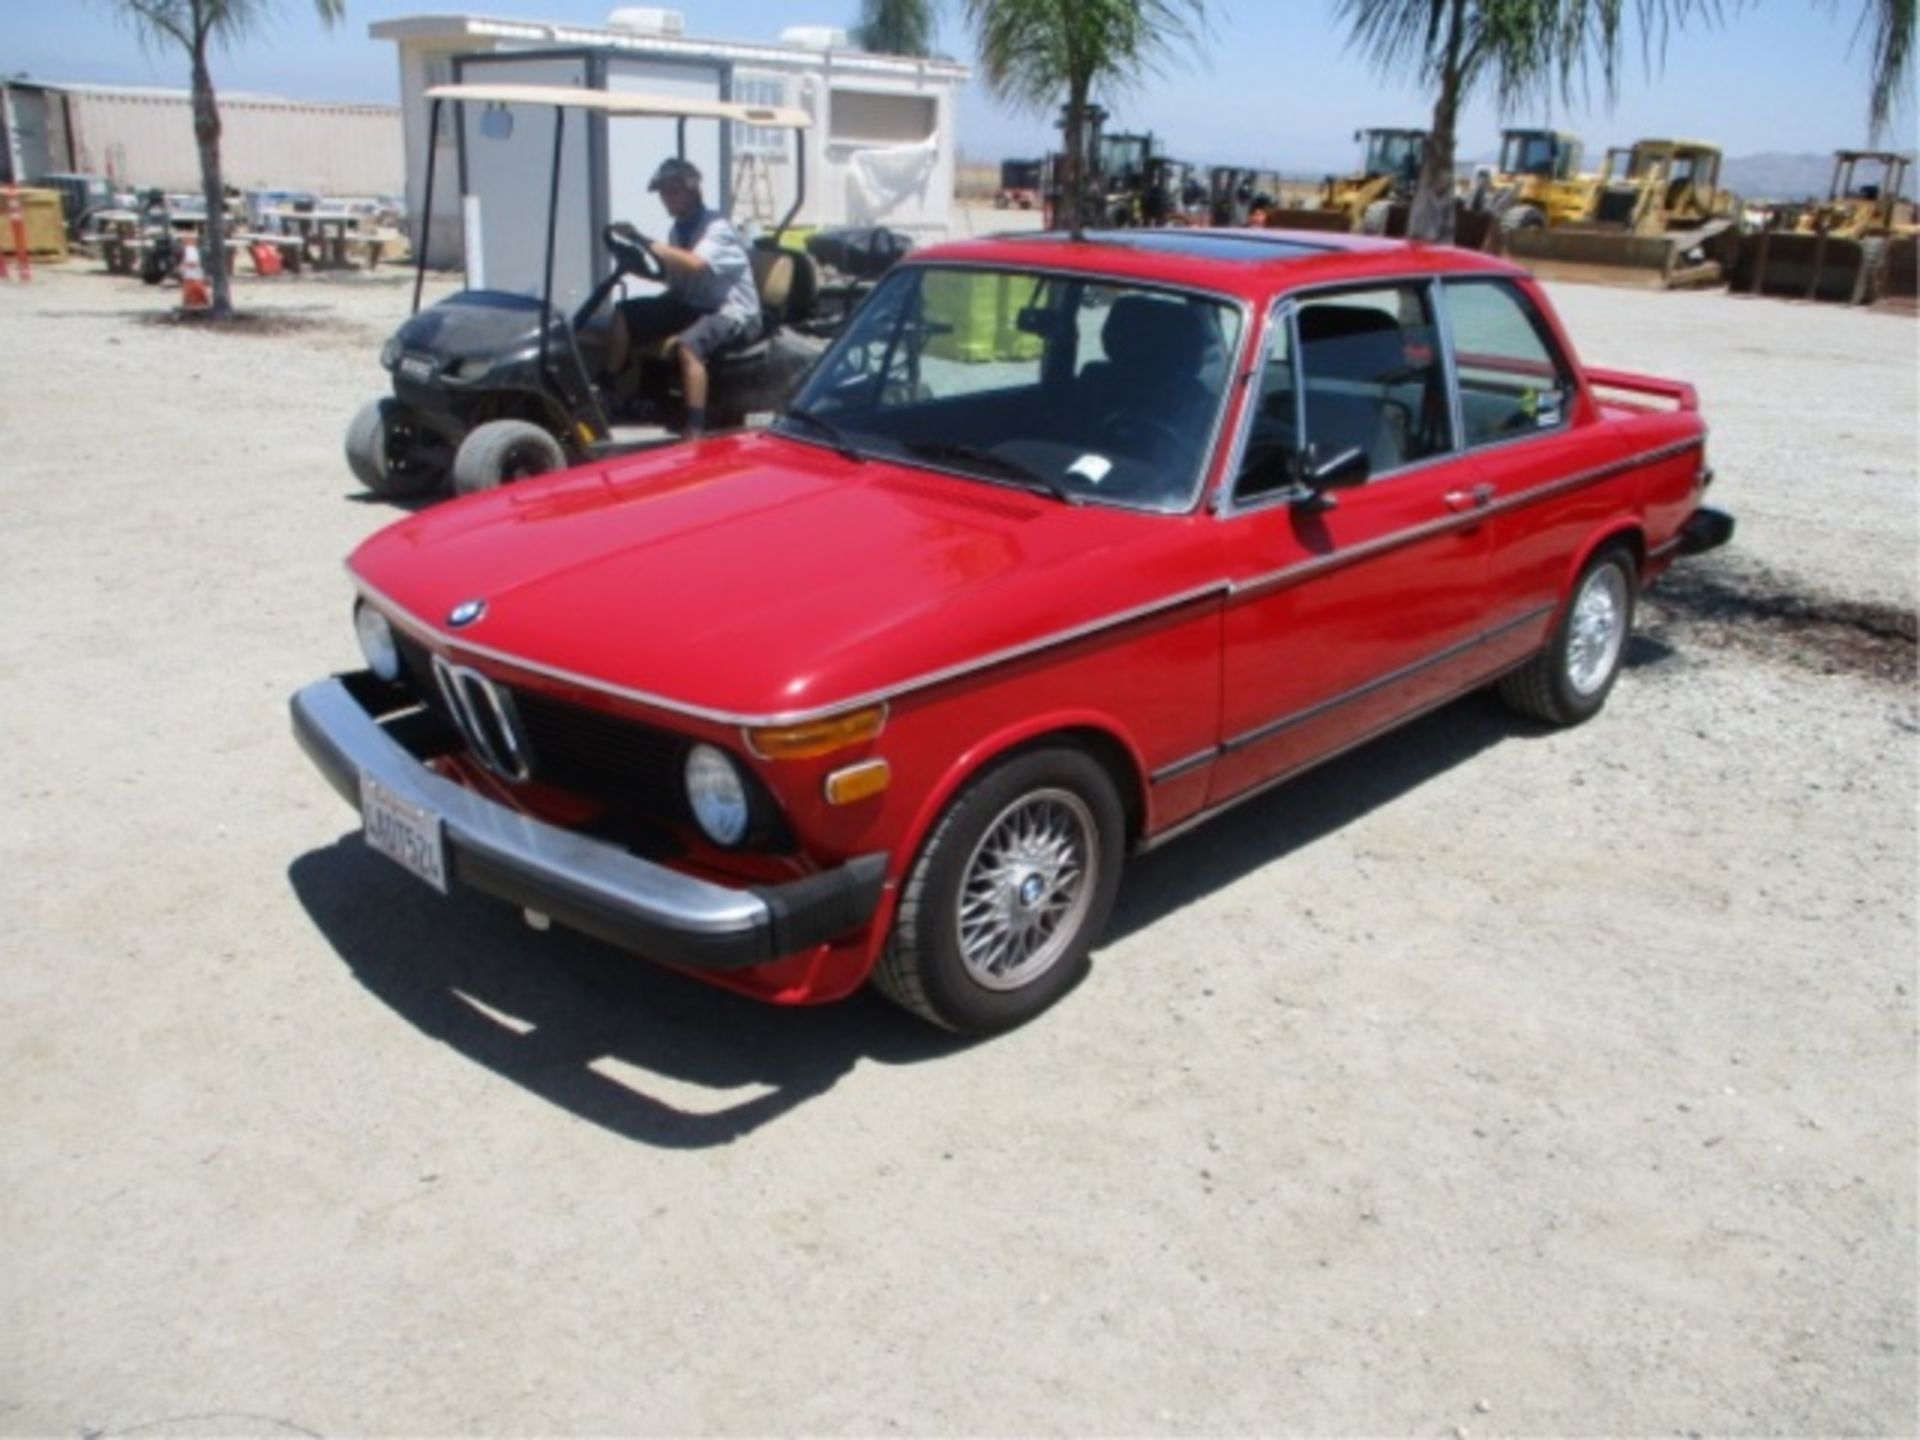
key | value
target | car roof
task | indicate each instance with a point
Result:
(1250, 263)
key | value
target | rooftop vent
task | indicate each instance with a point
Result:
(647, 20)
(814, 37)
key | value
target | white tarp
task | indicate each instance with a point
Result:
(881, 180)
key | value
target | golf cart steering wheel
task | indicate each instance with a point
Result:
(630, 251)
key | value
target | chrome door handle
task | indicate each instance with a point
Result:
(1477, 498)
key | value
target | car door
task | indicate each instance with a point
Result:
(1517, 402)
(1355, 606)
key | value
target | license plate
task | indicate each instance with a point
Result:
(416, 367)
(404, 833)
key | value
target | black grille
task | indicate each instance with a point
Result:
(632, 767)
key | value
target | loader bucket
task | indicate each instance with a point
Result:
(1610, 257)
(1809, 267)
(1899, 282)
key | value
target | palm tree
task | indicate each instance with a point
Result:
(1530, 49)
(1034, 53)
(1890, 22)
(194, 25)
(895, 27)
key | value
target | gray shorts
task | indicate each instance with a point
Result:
(701, 331)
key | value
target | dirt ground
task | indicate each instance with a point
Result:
(1486, 1081)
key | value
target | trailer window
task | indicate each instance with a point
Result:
(1513, 379)
(759, 87)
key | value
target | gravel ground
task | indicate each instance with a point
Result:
(1485, 1081)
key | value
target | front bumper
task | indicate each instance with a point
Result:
(586, 884)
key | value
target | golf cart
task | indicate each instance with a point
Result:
(492, 385)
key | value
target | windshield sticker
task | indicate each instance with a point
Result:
(1091, 468)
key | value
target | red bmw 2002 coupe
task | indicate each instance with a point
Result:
(1062, 548)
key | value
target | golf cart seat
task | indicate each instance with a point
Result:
(787, 282)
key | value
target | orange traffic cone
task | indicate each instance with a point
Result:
(194, 294)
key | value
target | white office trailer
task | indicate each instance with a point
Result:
(144, 137)
(879, 148)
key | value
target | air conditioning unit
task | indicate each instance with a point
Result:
(814, 37)
(647, 20)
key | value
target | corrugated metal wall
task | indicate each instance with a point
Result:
(148, 140)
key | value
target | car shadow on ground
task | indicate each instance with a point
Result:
(630, 1047)
(618, 1042)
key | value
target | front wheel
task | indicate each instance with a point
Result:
(1569, 681)
(501, 451)
(1008, 894)
(391, 455)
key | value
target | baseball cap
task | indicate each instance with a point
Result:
(674, 171)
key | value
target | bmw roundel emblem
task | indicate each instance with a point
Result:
(466, 612)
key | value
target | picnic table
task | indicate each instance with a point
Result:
(329, 237)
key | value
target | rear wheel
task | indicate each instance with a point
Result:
(1569, 681)
(391, 455)
(502, 451)
(1008, 894)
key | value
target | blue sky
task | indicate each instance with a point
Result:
(1274, 85)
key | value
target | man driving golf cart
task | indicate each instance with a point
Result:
(710, 300)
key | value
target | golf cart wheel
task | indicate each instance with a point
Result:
(502, 451)
(388, 454)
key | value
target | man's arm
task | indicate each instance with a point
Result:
(678, 263)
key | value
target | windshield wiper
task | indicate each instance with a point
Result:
(827, 430)
(976, 455)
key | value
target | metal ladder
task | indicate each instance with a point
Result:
(752, 190)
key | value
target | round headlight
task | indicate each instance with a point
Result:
(717, 795)
(390, 352)
(376, 641)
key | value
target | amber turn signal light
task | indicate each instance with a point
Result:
(857, 782)
(816, 737)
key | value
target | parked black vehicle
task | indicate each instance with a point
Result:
(491, 386)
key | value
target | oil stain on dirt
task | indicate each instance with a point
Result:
(1760, 612)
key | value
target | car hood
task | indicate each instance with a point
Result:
(759, 576)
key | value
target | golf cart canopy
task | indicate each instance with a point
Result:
(625, 102)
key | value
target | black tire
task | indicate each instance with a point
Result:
(502, 451)
(1569, 681)
(391, 456)
(1375, 219)
(925, 967)
(1522, 217)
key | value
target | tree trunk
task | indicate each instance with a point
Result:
(206, 131)
(1074, 190)
(1431, 214)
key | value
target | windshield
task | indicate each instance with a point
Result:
(1531, 155)
(1392, 153)
(1092, 390)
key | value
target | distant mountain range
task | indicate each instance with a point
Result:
(1774, 176)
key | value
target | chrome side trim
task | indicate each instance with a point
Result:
(1379, 682)
(1301, 570)
(1225, 588)
(399, 614)
(1182, 767)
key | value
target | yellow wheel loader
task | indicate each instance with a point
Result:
(1659, 219)
(1537, 184)
(1855, 247)
(1389, 166)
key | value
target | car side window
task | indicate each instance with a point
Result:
(1267, 463)
(1370, 364)
(1513, 379)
